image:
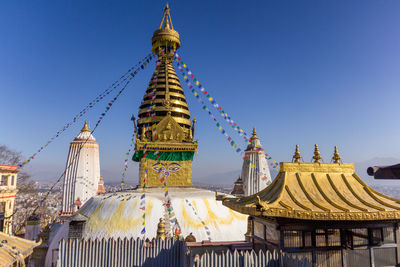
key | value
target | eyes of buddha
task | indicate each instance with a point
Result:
(173, 167)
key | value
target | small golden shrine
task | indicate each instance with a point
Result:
(165, 133)
(324, 212)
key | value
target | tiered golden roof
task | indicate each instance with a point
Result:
(14, 250)
(318, 191)
(170, 99)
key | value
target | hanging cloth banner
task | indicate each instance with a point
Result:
(108, 107)
(126, 160)
(187, 73)
(128, 75)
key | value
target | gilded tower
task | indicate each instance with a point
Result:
(164, 144)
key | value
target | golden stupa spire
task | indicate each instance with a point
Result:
(336, 157)
(317, 156)
(85, 128)
(169, 97)
(296, 156)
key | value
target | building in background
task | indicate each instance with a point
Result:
(81, 181)
(323, 212)
(255, 170)
(238, 188)
(8, 190)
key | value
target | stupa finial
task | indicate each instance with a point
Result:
(336, 157)
(85, 128)
(317, 156)
(166, 19)
(165, 39)
(254, 134)
(296, 156)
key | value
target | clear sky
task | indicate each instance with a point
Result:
(302, 72)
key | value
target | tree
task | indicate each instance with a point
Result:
(12, 157)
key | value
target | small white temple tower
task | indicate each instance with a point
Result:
(255, 170)
(83, 172)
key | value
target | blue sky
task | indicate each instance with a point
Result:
(302, 72)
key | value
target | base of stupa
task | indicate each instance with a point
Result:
(197, 211)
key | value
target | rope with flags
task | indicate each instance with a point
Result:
(187, 73)
(142, 204)
(131, 72)
(233, 144)
(108, 107)
(126, 160)
(190, 204)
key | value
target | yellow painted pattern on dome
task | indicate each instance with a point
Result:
(211, 218)
(117, 221)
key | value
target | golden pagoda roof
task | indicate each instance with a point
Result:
(318, 191)
(15, 249)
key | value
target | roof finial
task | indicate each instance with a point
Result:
(317, 156)
(85, 128)
(167, 19)
(296, 156)
(336, 158)
(161, 230)
(254, 134)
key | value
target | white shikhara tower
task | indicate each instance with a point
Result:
(83, 172)
(255, 170)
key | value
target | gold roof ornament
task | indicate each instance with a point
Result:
(161, 230)
(165, 35)
(254, 137)
(325, 191)
(336, 158)
(85, 128)
(317, 156)
(296, 156)
(190, 238)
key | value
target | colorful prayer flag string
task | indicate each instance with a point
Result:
(187, 73)
(142, 204)
(126, 160)
(183, 67)
(109, 105)
(218, 125)
(190, 204)
(140, 65)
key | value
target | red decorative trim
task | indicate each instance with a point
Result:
(8, 167)
(7, 197)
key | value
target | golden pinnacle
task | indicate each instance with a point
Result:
(296, 156)
(317, 156)
(336, 158)
(161, 230)
(254, 137)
